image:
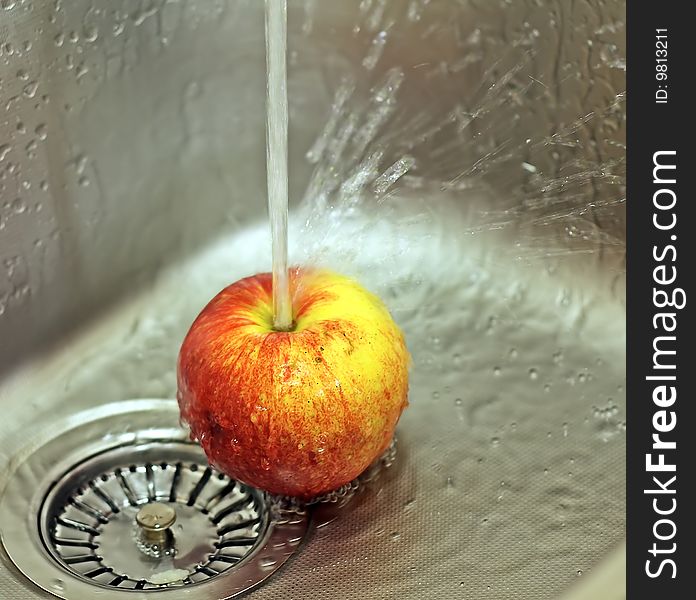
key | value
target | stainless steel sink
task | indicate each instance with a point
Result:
(132, 189)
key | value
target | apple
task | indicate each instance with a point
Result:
(300, 412)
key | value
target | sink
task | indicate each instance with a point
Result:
(133, 189)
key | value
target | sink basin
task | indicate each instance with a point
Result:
(133, 189)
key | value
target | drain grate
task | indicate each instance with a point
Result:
(89, 517)
(120, 504)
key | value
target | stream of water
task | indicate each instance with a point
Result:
(277, 157)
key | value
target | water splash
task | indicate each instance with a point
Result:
(388, 135)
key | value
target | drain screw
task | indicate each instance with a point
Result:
(154, 537)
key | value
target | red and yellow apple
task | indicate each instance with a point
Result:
(301, 412)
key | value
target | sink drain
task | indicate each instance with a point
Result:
(121, 505)
(88, 520)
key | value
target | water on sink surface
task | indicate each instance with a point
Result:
(509, 481)
(511, 454)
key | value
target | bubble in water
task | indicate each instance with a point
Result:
(22, 74)
(17, 206)
(496, 371)
(607, 413)
(91, 33)
(564, 298)
(40, 131)
(492, 322)
(495, 442)
(513, 353)
(533, 374)
(80, 162)
(395, 535)
(30, 148)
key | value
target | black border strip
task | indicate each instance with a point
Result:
(661, 117)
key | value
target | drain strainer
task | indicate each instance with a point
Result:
(90, 525)
(140, 511)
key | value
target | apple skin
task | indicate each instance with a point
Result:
(296, 413)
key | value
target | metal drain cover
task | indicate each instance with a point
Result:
(89, 518)
(139, 511)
